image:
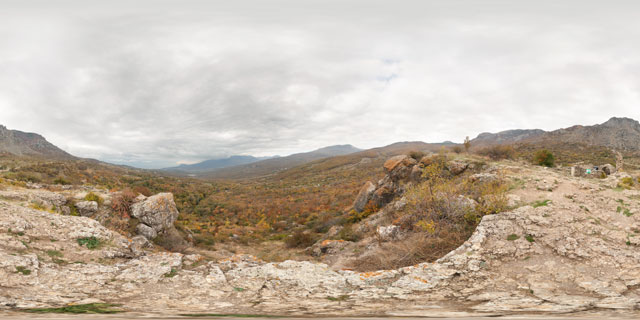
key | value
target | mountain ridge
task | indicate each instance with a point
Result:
(21, 143)
(617, 133)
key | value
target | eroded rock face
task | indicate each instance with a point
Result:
(158, 212)
(364, 196)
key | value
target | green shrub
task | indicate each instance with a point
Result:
(512, 237)
(541, 203)
(79, 309)
(90, 242)
(23, 270)
(417, 155)
(94, 197)
(61, 181)
(544, 158)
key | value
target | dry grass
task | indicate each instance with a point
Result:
(417, 248)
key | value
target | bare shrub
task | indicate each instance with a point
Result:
(417, 155)
(498, 152)
(417, 248)
(122, 201)
(457, 149)
(142, 190)
(300, 240)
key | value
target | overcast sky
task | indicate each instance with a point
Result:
(167, 82)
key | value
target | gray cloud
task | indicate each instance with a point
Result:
(161, 82)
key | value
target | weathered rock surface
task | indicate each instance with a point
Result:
(87, 208)
(157, 212)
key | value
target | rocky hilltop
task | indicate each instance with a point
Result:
(28, 144)
(567, 244)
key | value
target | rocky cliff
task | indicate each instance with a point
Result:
(28, 144)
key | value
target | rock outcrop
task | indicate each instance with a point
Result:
(157, 214)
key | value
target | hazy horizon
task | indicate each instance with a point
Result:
(157, 83)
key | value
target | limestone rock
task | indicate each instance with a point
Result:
(146, 231)
(483, 177)
(328, 247)
(87, 208)
(387, 233)
(158, 211)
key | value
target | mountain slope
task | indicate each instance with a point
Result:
(270, 166)
(616, 133)
(28, 144)
(506, 137)
(213, 164)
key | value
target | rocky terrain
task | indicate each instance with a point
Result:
(569, 244)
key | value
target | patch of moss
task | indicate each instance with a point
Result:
(541, 203)
(339, 298)
(23, 270)
(90, 242)
(171, 273)
(54, 253)
(80, 308)
(530, 238)
(512, 237)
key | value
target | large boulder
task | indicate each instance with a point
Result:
(158, 212)
(363, 196)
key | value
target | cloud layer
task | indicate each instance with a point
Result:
(163, 82)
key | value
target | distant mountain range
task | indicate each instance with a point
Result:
(617, 133)
(213, 164)
(622, 134)
(269, 166)
(29, 144)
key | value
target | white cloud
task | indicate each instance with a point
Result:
(160, 82)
